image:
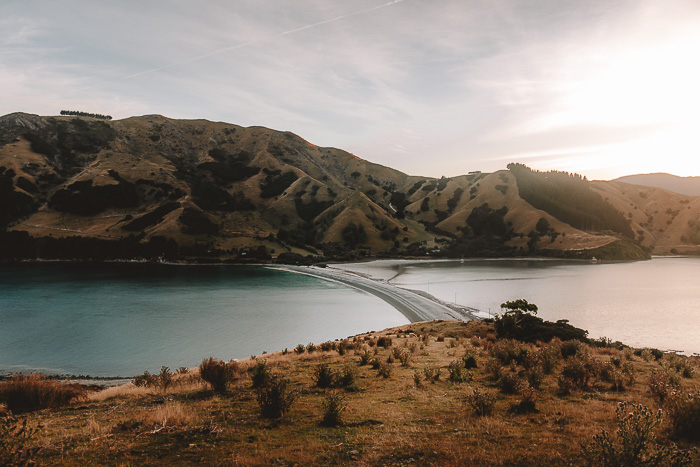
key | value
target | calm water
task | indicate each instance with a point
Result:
(650, 303)
(123, 319)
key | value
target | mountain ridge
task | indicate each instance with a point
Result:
(682, 185)
(201, 189)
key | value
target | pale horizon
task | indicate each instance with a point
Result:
(427, 88)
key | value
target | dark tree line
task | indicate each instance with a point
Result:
(78, 113)
(569, 198)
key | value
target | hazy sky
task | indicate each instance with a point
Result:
(430, 87)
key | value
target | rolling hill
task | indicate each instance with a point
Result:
(153, 187)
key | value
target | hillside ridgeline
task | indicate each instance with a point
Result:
(155, 188)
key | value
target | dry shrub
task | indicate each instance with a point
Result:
(571, 348)
(418, 379)
(432, 373)
(527, 402)
(217, 373)
(275, 397)
(405, 358)
(366, 357)
(509, 350)
(510, 383)
(684, 410)
(260, 374)
(548, 358)
(662, 382)
(327, 346)
(493, 369)
(27, 393)
(681, 365)
(458, 374)
(347, 378)
(384, 342)
(469, 361)
(481, 402)
(323, 376)
(384, 370)
(634, 443)
(15, 435)
(333, 407)
(579, 370)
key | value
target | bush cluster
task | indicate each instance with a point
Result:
(217, 373)
(27, 393)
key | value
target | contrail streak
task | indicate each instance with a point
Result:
(242, 45)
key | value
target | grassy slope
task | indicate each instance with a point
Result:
(388, 422)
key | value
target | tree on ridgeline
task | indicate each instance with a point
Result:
(78, 113)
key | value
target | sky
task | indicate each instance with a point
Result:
(603, 88)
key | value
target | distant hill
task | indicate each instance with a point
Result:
(153, 187)
(683, 185)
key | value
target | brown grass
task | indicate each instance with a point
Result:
(388, 421)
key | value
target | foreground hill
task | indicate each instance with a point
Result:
(153, 187)
(441, 393)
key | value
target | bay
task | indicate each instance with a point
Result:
(653, 303)
(120, 319)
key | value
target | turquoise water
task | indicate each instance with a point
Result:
(122, 319)
(652, 303)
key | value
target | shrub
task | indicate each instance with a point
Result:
(323, 376)
(275, 397)
(260, 374)
(579, 370)
(647, 354)
(15, 435)
(510, 383)
(564, 386)
(217, 373)
(347, 377)
(327, 346)
(144, 380)
(384, 370)
(384, 342)
(493, 369)
(662, 382)
(549, 358)
(469, 361)
(27, 393)
(534, 376)
(527, 402)
(634, 443)
(366, 357)
(417, 379)
(482, 403)
(432, 373)
(509, 350)
(300, 349)
(333, 408)
(682, 366)
(405, 358)
(376, 363)
(570, 348)
(684, 410)
(458, 374)
(164, 378)
(310, 347)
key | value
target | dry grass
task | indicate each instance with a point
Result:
(388, 421)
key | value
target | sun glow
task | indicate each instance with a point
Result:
(655, 87)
